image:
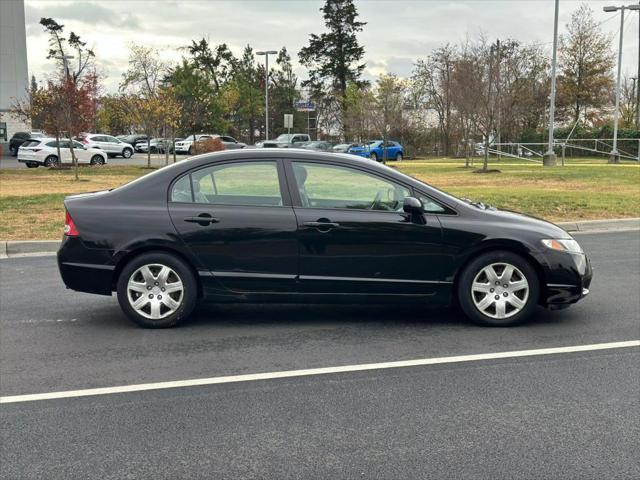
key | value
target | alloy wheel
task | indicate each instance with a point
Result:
(500, 290)
(155, 291)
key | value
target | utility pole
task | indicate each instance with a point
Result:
(638, 87)
(266, 90)
(549, 158)
(614, 156)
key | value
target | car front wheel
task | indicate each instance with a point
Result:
(373, 156)
(498, 289)
(97, 160)
(157, 290)
(127, 152)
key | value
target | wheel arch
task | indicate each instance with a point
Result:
(130, 255)
(506, 245)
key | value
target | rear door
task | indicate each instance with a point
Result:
(237, 218)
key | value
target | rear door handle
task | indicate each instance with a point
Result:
(322, 226)
(203, 219)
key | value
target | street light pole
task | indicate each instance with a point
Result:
(266, 90)
(549, 158)
(614, 156)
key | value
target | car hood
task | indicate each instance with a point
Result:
(521, 221)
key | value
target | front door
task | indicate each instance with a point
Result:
(237, 218)
(355, 237)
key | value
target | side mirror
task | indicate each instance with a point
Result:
(413, 206)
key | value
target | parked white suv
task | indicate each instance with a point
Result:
(111, 145)
(186, 145)
(43, 151)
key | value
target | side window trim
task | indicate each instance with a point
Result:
(295, 194)
(448, 210)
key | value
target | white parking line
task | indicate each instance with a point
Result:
(313, 371)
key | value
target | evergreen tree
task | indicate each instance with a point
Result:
(334, 57)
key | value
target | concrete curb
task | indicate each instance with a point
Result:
(20, 248)
(601, 225)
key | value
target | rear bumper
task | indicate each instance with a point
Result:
(85, 269)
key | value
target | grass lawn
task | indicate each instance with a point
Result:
(31, 199)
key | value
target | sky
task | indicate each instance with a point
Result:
(398, 32)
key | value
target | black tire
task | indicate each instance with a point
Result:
(97, 160)
(127, 152)
(190, 289)
(13, 151)
(399, 157)
(373, 156)
(466, 279)
(51, 161)
(32, 165)
(154, 150)
(189, 152)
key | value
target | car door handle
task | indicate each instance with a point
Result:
(322, 226)
(203, 219)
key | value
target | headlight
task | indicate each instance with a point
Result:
(563, 245)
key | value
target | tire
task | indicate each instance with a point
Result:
(97, 160)
(154, 150)
(51, 161)
(399, 157)
(32, 165)
(132, 276)
(373, 156)
(13, 151)
(127, 152)
(476, 287)
(190, 151)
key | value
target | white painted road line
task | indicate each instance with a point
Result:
(313, 371)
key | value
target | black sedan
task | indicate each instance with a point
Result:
(300, 226)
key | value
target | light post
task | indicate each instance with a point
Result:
(64, 59)
(614, 156)
(549, 158)
(266, 90)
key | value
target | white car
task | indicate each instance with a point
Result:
(111, 145)
(43, 151)
(186, 145)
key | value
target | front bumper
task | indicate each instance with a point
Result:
(568, 278)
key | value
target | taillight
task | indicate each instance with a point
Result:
(85, 140)
(70, 229)
(36, 149)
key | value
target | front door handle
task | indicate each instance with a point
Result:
(323, 226)
(203, 219)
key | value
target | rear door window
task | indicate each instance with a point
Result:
(243, 183)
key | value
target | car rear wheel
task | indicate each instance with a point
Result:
(127, 152)
(97, 160)
(157, 290)
(373, 156)
(51, 161)
(498, 289)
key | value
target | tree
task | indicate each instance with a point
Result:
(57, 49)
(432, 79)
(334, 57)
(586, 61)
(284, 93)
(388, 101)
(142, 81)
(217, 63)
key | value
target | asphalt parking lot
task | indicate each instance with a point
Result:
(566, 415)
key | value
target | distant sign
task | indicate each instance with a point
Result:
(288, 120)
(305, 106)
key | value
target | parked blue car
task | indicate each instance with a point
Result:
(375, 150)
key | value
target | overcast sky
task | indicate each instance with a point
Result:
(397, 31)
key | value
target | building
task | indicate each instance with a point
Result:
(14, 77)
